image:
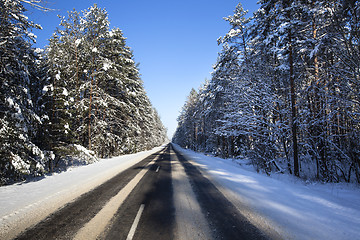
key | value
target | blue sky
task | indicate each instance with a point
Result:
(174, 41)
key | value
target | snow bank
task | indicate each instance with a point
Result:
(293, 208)
(24, 204)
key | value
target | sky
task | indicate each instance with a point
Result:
(175, 42)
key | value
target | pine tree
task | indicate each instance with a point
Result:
(185, 134)
(19, 121)
(84, 89)
(109, 111)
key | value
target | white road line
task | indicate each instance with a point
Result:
(135, 223)
(157, 170)
(97, 224)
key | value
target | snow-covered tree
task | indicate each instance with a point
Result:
(284, 91)
(83, 90)
(18, 116)
(186, 133)
(109, 110)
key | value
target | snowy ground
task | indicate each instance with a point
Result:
(22, 205)
(291, 207)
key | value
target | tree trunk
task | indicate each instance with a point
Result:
(293, 109)
(90, 102)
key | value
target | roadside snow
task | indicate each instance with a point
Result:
(23, 205)
(292, 208)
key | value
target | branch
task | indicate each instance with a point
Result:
(35, 4)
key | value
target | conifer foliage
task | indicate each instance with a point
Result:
(80, 98)
(284, 91)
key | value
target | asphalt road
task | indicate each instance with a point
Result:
(140, 203)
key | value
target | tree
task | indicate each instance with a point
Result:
(285, 84)
(19, 121)
(106, 94)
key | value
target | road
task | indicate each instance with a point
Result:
(164, 196)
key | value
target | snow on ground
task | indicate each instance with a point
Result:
(22, 205)
(293, 208)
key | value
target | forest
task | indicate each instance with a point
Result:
(78, 99)
(284, 91)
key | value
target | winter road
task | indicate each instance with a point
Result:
(164, 196)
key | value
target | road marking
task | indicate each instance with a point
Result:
(97, 224)
(135, 223)
(157, 170)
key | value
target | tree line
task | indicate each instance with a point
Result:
(79, 98)
(284, 92)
